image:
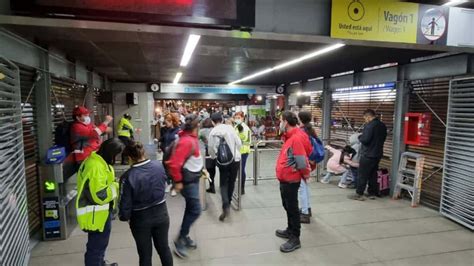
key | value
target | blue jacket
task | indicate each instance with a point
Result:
(142, 187)
(168, 137)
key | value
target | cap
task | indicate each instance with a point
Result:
(80, 110)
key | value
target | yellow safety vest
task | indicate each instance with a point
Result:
(246, 138)
(125, 128)
(96, 190)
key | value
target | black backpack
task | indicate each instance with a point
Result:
(224, 154)
(62, 135)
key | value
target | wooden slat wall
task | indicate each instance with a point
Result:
(30, 139)
(435, 92)
(348, 106)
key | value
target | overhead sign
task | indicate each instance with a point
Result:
(214, 89)
(390, 21)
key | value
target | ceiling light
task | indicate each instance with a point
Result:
(259, 98)
(342, 74)
(315, 79)
(291, 62)
(178, 76)
(188, 51)
(380, 66)
(295, 83)
(455, 2)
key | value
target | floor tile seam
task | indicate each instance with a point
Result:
(375, 222)
(427, 255)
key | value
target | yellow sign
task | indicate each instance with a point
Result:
(2, 76)
(374, 20)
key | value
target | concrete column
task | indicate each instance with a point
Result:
(327, 102)
(401, 107)
(43, 108)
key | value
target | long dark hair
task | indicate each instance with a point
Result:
(110, 149)
(135, 151)
(305, 118)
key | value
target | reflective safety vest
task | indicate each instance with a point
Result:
(125, 128)
(246, 138)
(96, 191)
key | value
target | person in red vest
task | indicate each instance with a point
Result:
(85, 136)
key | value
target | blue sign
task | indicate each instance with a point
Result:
(219, 90)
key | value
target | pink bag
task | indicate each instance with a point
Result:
(383, 179)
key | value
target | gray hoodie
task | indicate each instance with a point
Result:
(230, 136)
(355, 144)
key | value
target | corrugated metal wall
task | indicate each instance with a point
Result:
(435, 92)
(14, 239)
(65, 95)
(30, 139)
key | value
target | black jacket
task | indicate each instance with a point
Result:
(372, 139)
(142, 187)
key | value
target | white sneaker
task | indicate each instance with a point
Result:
(324, 181)
(168, 188)
(341, 185)
(173, 193)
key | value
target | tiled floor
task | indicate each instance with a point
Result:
(342, 232)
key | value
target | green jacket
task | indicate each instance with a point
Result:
(97, 192)
(246, 138)
(125, 128)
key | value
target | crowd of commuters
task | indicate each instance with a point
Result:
(193, 146)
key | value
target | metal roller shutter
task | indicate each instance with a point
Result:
(434, 92)
(14, 239)
(457, 200)
(348, 106)
(30, 140)
(316, 110)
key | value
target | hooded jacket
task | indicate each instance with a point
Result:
(355, 144)
(186, 158)
(334, 165)
(292, 163)
(228, 133)
(85, 139)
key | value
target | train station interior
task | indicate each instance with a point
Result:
(151, 62)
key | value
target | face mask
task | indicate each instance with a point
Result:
(282, 127)
(87, 120)
(238, 121)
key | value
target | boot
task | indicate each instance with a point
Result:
(225, 214)
(211, 189)
(282, 233)
(305, 218)
(180, 248)
(291, 245)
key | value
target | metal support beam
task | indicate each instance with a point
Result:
(401, 107)
(327, 97)
(43, 108)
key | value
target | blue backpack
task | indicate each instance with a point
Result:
(317, 155)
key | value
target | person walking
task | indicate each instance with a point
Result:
(292, 166)
(185, 167)
(143, 204)
(305, 215)
(224, 145)
(84, 135)
(172, 127)
(245, 135)
(372, 140)
(96, 199)
(125, 132)
(209, 162)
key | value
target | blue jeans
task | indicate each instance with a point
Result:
(304, 197)
(355, 175)
(97, 243)
(192, 212)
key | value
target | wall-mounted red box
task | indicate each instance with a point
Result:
(418, 129)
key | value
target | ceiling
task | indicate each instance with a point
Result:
(155, 57)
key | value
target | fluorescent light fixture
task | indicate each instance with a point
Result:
(380, 66)
(342, 74)
(188, 51)
(299, 93)
(455, 2)
(291, 62)
(259, 98)
(315, 79)
(295, 83)
(177, 78)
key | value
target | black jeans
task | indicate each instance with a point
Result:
(289, 198)
(152, 225)
(193, 210)
(368, 174)
(211, 169)
(126, 141)
(228, 175)
(245, 156)
(97, 243)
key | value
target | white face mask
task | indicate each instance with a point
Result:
(238, 121)
(87, 120)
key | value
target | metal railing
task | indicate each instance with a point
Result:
(257, 157)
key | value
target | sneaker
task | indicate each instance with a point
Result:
(352, 186)
(173, 193)
(372, 197)
(282, 234)
(291, 245)
(310, 212)
(305, 219)
(190, 243)
(107, 263)
(225, 214)
(180, 248)
(324, 181)
(356, 197)
(341, 185)
(211, 190)
(168, 188)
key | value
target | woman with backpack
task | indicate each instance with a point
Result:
(143, 203)
(185, 167)
(305, 119)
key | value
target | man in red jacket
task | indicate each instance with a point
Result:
(85, 136)
(292, 166)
